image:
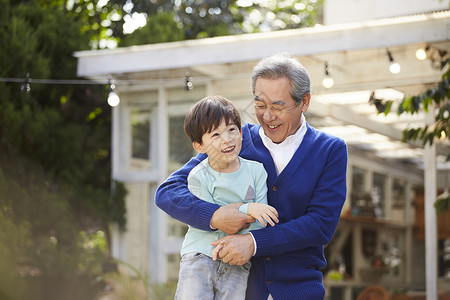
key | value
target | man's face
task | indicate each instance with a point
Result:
(275, 109)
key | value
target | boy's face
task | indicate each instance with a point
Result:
(223, 145)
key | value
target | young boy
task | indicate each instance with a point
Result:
(214, 126)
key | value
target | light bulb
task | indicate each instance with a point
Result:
(421, 54)
(327, 82)
(394, 68)
(113, 99)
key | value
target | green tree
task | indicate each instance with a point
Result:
(104, 21)
(160, 28)
(55, 200)
(201, 19)
(262, 16)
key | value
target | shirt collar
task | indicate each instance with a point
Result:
(296, 138)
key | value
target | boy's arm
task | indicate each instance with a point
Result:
(260, 210)
(174, 197)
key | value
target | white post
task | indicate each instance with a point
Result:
(115, 232)
(430, 218)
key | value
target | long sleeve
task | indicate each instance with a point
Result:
(174, 197)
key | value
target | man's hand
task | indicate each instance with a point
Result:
(234, 249)
(229, 219)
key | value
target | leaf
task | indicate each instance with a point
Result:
(425, 101)
(388, 106)
(416, 102)
(442, 203)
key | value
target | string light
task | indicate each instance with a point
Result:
(113, 98)
(188, 86)
(421, 53)
(394, 67)
(327, 81)
(26, 86)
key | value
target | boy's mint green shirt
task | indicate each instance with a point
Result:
(246, 185)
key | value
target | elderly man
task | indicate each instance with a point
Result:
(306, 184)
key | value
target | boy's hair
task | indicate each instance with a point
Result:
(207, 114)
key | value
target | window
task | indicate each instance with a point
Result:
(141, 136)
(180, 146)
(378, 193)
(398, 199)
(358, 179)
(140, 132)
(176, 228)
(360, 199)
(173, 267)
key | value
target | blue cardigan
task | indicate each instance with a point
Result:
(308, 194)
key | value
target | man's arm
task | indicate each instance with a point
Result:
(174, 197)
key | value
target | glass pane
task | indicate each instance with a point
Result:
(173, 267)
(378, 193)
(398, 199)
(359, 195)
(180, 146)
(358, 179)
(140, 138)
(175, 228)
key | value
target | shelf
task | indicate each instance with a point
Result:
(373, 221)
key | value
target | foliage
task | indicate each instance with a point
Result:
(186, 19)
(129, 283)
(11, 240)
(442, 203)
(160, 28)
(55, 187)
(439, 95)
(192, 19)
(44, 240)
(262, 16)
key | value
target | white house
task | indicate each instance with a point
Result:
(355, 43)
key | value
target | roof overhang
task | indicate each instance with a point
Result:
(356, 54)
(342, 38)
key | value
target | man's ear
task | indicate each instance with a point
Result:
(305, 102)
(199, 147)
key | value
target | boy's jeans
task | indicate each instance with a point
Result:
(201, 278)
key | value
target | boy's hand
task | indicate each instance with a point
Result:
(263, 213)
(216, 250)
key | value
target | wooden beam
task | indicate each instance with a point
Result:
(252, 47)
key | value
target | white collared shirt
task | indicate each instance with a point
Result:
(282, 153)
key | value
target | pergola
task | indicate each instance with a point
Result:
(356, 55)
(358, 61)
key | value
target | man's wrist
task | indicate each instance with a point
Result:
(254, 243)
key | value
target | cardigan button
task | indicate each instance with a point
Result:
(267, 258)
(268, 281)
(275, 188)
